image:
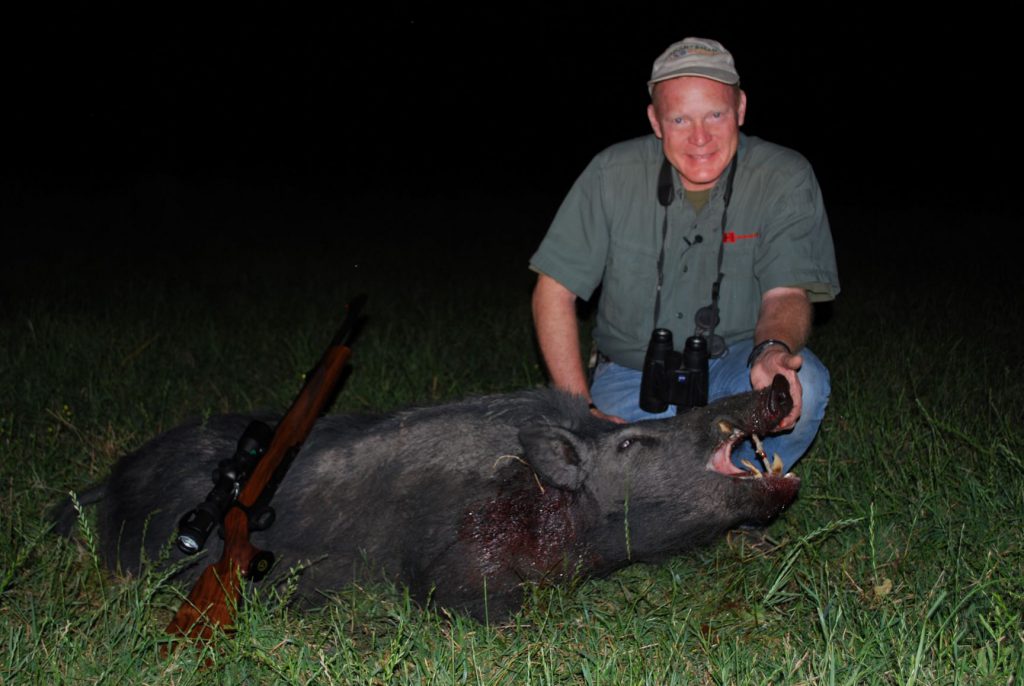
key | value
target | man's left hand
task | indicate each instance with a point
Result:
(785, 316)
(775, 360)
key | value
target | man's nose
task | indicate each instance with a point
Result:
(699, 135)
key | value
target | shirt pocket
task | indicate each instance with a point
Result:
(630, 287)
(740, 298)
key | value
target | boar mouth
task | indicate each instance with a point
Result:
(773, 403)
(721, 459)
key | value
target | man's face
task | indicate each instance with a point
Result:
(698, 121)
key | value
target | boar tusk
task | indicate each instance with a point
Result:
(759, 450)
(751, 468)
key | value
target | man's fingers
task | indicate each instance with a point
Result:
(781, 362)
(796, 392)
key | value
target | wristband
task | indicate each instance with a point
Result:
(762, 346)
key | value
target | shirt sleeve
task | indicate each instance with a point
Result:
(575, 248)
(797, 250)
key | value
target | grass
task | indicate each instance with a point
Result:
(902, 562)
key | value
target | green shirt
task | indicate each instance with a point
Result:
(608, 231)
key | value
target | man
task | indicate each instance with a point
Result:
(656, 220)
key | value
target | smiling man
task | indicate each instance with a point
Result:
(695, 219)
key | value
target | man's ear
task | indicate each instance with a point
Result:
(652, 116)
(741, 109)
(556, 454)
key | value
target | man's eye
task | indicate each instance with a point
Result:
(677, 120)
(716, 115)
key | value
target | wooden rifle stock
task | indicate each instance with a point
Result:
(214, 597)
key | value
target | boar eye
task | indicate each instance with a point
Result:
(634, 442)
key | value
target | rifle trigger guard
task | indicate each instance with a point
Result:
(261, 518)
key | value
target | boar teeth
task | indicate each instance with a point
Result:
(776, 464)
(759, 450)
(751, 468)
(725, 427)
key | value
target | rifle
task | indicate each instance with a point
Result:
(215, 594)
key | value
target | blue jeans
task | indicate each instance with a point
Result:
(616, 391)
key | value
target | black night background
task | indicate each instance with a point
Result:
(129, 132)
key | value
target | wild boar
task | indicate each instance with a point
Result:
(465, 502)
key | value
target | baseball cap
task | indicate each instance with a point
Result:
(695, 57)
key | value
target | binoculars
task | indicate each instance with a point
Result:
(679, 378)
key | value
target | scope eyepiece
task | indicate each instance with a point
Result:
(228, 478)
(196, 526)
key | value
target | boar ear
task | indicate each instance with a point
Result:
(555, 454)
